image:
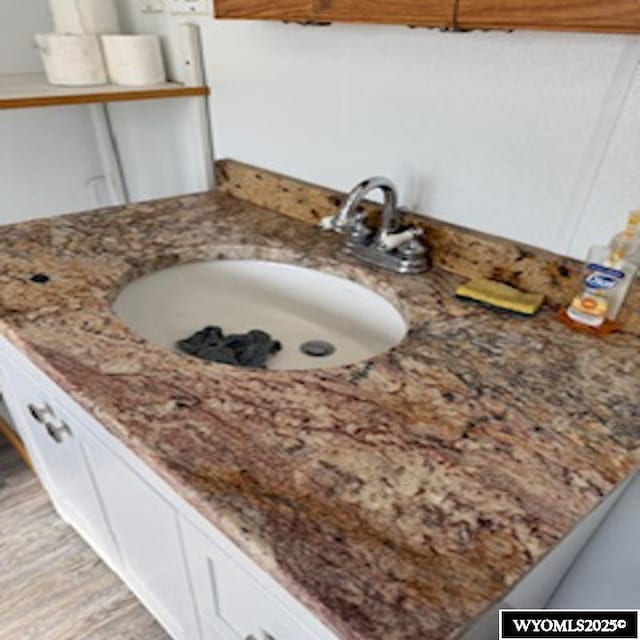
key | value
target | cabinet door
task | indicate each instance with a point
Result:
(295, 10)
(621, 16)
(430, 13)
(233, 605)
(59, 457)
(146, 530)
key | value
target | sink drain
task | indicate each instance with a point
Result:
(317, 348)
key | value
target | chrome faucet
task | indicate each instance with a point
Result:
(394, 246)
(345, 219)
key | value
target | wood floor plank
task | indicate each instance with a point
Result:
(52, 585)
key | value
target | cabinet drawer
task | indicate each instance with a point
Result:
(232, 604)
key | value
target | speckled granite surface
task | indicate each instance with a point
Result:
(398, 497)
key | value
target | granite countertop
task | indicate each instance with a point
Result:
(399, 497)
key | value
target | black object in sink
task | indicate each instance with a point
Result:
(252, 349)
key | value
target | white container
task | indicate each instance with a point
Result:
(84, 16)
(134, 60)
(72, 60)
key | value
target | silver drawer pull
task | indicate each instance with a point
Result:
(40, 414)
(57, 432)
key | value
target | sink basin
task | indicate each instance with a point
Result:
(297, 306)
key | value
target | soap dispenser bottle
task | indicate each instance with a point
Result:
(609, 273)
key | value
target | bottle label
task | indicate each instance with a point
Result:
(602, 278)
(601, 282)
(608, 271)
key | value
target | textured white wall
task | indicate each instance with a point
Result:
(159, 147)
(47, 156)
(616, 184)
(517, 134)
(18, 22)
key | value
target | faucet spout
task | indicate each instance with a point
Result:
(346, 216)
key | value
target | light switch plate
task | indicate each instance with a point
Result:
(190, 7)
(151, 6)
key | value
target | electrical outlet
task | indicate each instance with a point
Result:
(190, 7)
(151, 6)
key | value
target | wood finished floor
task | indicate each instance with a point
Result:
(52, 585)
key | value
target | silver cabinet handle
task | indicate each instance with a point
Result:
(57, 432)
(40, 413)
(45, 416)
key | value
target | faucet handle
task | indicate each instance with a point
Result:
(328, 223)
(391, 241)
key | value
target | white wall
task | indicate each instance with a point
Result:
(47, 156)
(533, 136)
(18, 21)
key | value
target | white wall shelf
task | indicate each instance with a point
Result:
(25, 90)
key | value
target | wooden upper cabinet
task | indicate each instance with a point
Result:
(619, 16)
(427, 13)
(297, 10)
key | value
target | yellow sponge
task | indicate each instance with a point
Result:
(503, 296)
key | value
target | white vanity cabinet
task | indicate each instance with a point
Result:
(126, 521)
(52, 438)
(146, 530)
(192, 578)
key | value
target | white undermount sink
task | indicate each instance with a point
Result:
(294, 304)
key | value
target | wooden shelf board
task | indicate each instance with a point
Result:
(23, 90)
